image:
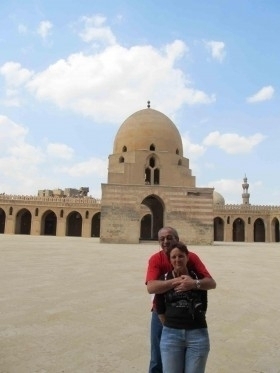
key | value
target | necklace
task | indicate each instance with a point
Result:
(174, 274)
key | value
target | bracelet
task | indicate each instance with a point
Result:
(197, 284)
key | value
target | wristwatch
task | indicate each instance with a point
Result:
(197, 284)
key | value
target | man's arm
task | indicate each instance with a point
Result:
(182, 283)
(159, 286)
(156, 268)
(188, 283)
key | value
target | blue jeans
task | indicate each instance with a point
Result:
(156, 329)
(184, 351)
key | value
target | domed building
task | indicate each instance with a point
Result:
(218, 199)
(149, 185)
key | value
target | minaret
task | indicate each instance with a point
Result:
(245, 194)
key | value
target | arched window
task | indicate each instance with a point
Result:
(152, 172)
(10, 211)
(124, 149)
(121, 159)
(156, 176)
(177, 151)
(152, 147)
(36, 211)
(147, 176)
(152, 162)
(61, 213)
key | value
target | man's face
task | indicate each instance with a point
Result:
(166, 239)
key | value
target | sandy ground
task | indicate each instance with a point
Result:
(74, 305)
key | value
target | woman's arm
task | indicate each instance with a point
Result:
(183, 283)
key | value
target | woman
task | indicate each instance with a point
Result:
(185, 341)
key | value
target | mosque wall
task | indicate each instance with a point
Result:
(191, 211)
(247, 223)
(48, 215)
(120, 214)
(150, 185)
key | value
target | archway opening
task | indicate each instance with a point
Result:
(49, 223)
(218, 229)
(23, 222)
(259, 230)
(275, 230)
(2, 220)
(151, 223)
(238, 230)
(74, 224)
(95, 225)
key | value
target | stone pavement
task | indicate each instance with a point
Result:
(73, 305)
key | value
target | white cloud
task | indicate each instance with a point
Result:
(89, 167)
(44, 29)
(233, 143)
(14, 74)
(95, 31)
(19, 161)
(98, 85)
(110, 84)
(264, 94)
(10, 132)
(192, 151)
(230, 189)
(217, 49)
(175, 50)
(62, 151)
(27, 167)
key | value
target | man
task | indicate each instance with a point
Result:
(158, 265)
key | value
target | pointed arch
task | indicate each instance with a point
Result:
(23, 222)
(95, 225)
(259, 230)
(74, 224)
(150, 225)
(152, 170)
(48, 223)
(218, 229)
(275, 230)
(238, 230)
(2, 220)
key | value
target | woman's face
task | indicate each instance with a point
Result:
(178, 259)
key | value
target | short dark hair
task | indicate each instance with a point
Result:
(173, 230)
(178, 245)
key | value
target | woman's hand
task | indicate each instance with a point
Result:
(183, 283)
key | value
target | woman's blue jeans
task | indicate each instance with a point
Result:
(184, 351)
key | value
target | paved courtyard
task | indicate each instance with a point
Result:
(73, 305)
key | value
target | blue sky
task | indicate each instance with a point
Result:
(72, 71)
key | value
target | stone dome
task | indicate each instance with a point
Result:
(218, 199)
(146, 128)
